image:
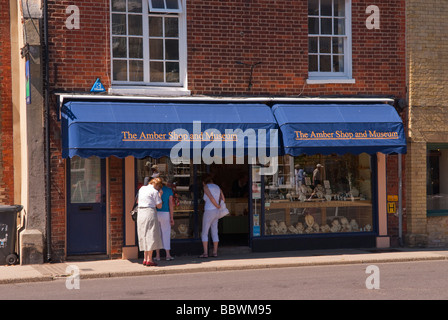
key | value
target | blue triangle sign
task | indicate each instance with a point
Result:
(97, 86)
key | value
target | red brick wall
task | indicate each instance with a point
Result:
(276, 34)
(223, 32)
(6, 121)
(79, 56)
(116, 206)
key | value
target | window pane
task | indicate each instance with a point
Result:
(119, 5)
(339, 26)
(135, 48)
(325, 64)
(339, 8)
(325, 45)
(172, 4)
(156, 71)
(338, 63)
(119, 47)
(158, 4)
(134, 5)
(338, 45)
(120, 70)
(172, 49)
(118, 24)
(155, 27)
(313, 7)
(312, 64)
(325, 8)
(172, 72)
(312, 45)
(313, 26)
(136, 70)
(85, 179)
(171, 27)
(156, 49)
(325, 27)
(135, 25)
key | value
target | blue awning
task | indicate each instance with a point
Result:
(340, 129)
(138, 129)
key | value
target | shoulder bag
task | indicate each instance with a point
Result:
(134, 209)
(223, 211)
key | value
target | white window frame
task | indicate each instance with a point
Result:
(337, 77)
(146, 87)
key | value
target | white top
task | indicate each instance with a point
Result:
(215, 191)
(148, 196)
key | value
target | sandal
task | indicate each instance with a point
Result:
(215, 255)
(203, 255)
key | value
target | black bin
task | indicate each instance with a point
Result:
(8, 231)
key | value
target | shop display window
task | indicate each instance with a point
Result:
(181, 179)
(319, 194)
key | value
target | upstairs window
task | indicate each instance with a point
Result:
(148, 42)
(329, 39)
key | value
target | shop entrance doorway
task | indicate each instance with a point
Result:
(234, 181)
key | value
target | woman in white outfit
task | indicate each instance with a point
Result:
(212, 196)
(148, 227)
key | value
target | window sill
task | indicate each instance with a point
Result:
(329, 80)
(149, 91)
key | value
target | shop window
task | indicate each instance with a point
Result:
(319, 194)
(329, 40)
(148, 43)
(437, 179)
(181, 179)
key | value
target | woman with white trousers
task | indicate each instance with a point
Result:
(166, 220)
(212, 196)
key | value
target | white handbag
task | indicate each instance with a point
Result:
(223, 211)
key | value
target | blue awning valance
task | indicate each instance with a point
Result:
(152, 129)
(340, 129)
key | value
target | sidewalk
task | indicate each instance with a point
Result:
(225, 262)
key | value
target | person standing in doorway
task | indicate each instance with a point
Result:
(212, 196)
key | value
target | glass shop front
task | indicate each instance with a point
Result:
(325, 197)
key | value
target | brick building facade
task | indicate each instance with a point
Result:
(235, 49)
(427, 116)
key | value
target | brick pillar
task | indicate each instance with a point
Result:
(416, 194)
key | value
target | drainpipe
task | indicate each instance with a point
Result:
(47, 131)
(400, 202)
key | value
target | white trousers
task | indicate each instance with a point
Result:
(165, 228)
(210, 222)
